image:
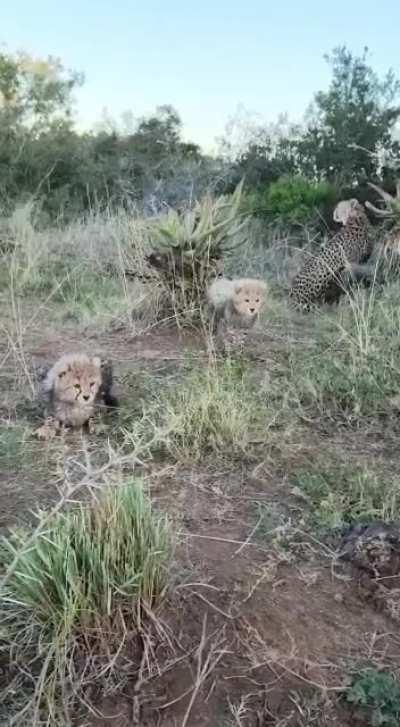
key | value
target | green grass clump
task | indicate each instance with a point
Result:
(353, 365)
(86, 575)
(377, 693)
(90, 558)
(340, 496)
(214, 410)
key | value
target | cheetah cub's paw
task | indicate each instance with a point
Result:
(48, 430)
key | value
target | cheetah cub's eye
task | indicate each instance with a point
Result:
(92, 383)
(247, 300)
(77, 387)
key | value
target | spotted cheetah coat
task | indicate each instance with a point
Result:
(320, 278)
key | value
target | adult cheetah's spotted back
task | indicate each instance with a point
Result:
(321, 273)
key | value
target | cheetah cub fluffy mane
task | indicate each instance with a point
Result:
(235, 303)
(73, 388)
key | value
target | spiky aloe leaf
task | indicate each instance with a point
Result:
(207, 230)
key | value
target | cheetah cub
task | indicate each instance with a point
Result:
(73, 389)
(235, 303)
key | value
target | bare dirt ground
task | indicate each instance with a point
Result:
(261, 626)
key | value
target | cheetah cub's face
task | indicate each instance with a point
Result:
(78, 382)
(248, 298)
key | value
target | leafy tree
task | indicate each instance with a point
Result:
(35, 107)
(356, 114)
(263, 163)
(261, 153)
(35, 91)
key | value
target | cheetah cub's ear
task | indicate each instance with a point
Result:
(253, 284)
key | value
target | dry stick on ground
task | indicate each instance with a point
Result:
(323, 687)
(115, 460)
(176, 661)
(140, 681)
(247, 541)
(274, 660)
(212, 605)
(239, 711)
(197, 583)
(204, 668)
(329, 551)
(265, 574)
(224, 540)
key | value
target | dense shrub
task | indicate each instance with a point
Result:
(290, 204)
(294, 200)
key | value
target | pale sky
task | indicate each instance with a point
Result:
(205, 58)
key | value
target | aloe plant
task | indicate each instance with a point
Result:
(188, 246)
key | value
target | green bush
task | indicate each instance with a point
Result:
(294, 200)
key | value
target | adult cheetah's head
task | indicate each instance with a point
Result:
(346, 210)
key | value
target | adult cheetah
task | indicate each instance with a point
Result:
(320, 278)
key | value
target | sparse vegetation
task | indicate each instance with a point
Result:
(339, 496)
(359, 373)
(212, 411)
